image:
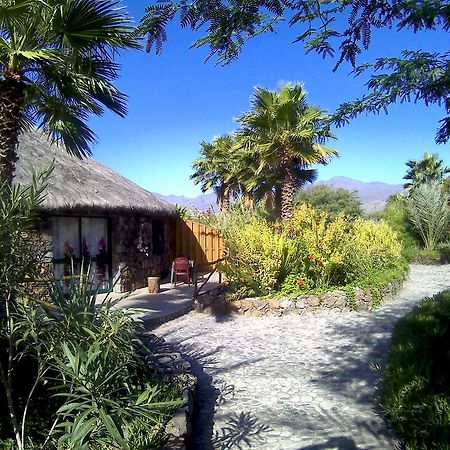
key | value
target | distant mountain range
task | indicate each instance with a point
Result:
(373, 195)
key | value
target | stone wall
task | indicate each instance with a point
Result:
(132, 253)
(336, 301)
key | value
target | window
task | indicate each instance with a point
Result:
(82, 240)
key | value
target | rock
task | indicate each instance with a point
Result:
(236, 305)
(246, 304)
(255, 313)
(300, 304)
(328, 299)
(286, 302)
(341, 300)
(274, 303)
(362, 306)
(312, 300)
(260, 304)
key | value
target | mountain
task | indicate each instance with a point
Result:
(373, 195)
(201, 202)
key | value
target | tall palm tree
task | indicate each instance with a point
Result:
(287, 133)
(429, 170)
(214, 169)
(57, 68)
(261, 181)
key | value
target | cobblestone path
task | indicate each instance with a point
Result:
(303, 383)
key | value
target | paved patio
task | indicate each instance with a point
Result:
(291, 382)
(155, 309)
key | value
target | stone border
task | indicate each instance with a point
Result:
(170, 365)
(336, 301)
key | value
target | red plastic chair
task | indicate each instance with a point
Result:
(181, 267)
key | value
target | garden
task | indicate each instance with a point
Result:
(76, 376)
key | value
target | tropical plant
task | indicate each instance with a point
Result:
(21, 254)
(86, 370)
(56, 68)
(429, 169)
(262, 182)
(427, 209)
(286, 133)
(332, 201)
(325, 26)
(214, 169)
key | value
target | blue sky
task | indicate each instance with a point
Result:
(176, 100)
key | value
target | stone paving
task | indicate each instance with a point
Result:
(303, 383)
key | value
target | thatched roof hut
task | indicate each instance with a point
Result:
(84, 186)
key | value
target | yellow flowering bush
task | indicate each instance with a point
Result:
(310, 252)
(256, 256)
(322, 246)
(375, 241)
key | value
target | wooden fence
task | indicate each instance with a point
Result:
(203, 244)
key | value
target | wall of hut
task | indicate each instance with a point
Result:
(134, 257)
(131, 246)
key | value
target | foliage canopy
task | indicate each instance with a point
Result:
(340, 29)
(332, 201)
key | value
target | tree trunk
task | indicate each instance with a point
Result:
(248, 200)
(11, 103)
(277, 200)
(223, 198)
(288, 187)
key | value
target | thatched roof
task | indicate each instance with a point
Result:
(84, 186)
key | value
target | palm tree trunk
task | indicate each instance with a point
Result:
(223, 198)
(288, 187)
(248, 199)
(277, 200)
(11, 103)
(225, 201)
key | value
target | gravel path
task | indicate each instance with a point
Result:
(303, 383)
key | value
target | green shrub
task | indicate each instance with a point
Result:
(257, 257)
(86, 374)
(416, 382)
(322, 246)
(396, 217)
(334, 202)
(339, 252)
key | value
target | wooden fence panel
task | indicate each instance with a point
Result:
(203, 244)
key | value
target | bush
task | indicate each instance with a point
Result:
(332, 201)
(86, 373)
(416, 382)
(396, 217)
(256, 257)
(340, 252)
(321, 246)
(312, 253)
(373, 247)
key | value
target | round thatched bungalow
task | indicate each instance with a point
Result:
(93, 212)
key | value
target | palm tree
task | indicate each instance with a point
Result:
(57, 68)
(261, 181)
(214, 169)
(428, 170)
(287, 134)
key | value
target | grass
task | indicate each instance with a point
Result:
(416, 382)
